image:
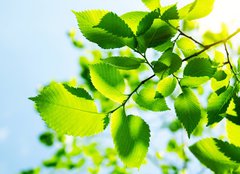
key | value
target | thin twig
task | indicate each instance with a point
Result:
(211, 45)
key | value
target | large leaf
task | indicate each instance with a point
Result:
(218, 104)
(193, 82)
(146, 99)
(108, 80)
(167, 64)
(131, 136)
(126, 63)
(166, 86)
(207, 151)
(199, 67)
(113, 24)
(188, 110)
(68, 113)
(87, 20)
(152, 4)
(196, 10)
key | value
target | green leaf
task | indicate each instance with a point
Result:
(67, 113)
(133, 19)
(126, 63)
(113, 24)
(197, 9)
(90, 18)
(170, 13)
(108, 81)
(166, 86)
(233, 132)
(199, 67)
(152, 4)
(146, 99)
(78, 92)
(218, 104)
(147, 21)
(193, 82)
(131, 136)
(159, 33)
(220, 75)
(229, 150)
(167, 64)
(188, 110)
(208, 153)
(187, 46)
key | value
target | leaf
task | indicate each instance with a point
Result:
(78, 92)
(159, 33)
(187, 46)
(218, 104)
(113, 24)
(133, 19)
(188, 110)
(152, 4)
(193, 82)
(229, 150)
(126, 63)
(166, 86)
(147, 21)
(67, 113)
(208, 153)
(146, 99)
(220, 75)
(131, 136)
(108, 81)
(170, 13)
(167, 64)
(233, 133)
(199, 67)
(90, 18)
(197, 9)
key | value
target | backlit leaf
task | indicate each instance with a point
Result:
(126, 63)
(146, 99)
(152, 4)
(131, 136)
(67, 113)
(233, 133)
(166, 86)
(108, 81)
(188, 110)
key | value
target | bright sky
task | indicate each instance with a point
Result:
(34, 50)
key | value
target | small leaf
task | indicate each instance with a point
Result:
(108, 81)
(197, 9)
(131, 136)
(188, 110)
(167, 64)
(78, 92)
(146, 99)
(199, 67)
(193, 82)
(170, 13)
(67, 113)
(209, 154)
(113, 24)
(218, 104)
(147, 21)
(152, 4)
(166, 86)
(126, 63)
(220, 75)
(187, 46)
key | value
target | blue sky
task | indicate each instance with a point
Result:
(34, 49)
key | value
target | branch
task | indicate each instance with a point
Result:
(130, 95)
(211, 45)
(229, 62)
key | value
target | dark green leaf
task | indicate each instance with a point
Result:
(170, 13)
